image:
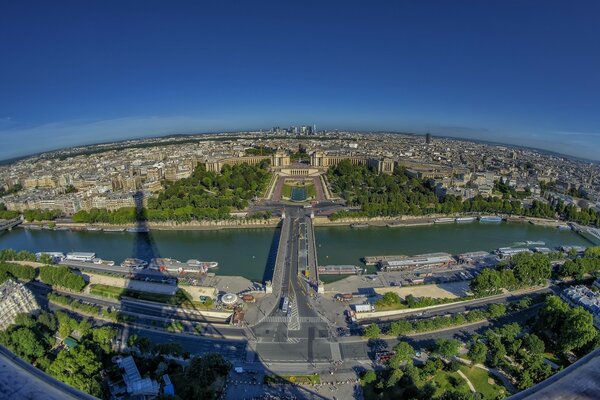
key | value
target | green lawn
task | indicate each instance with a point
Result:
(444, 381)
(180, 298)
(286, 191)
(480, 379)
(449, 381)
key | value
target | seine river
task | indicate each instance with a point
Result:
(247, 252)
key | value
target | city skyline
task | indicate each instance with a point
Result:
(210, 68)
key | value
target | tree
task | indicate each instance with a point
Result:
(104, 336)
(496, 310)
(533, 344)
(477, 352)
(404, 353)
(577, 330)
(202, 374)
(78, 367)
(488, 282)
(369, 377)
(372, 331)
(398, 328)
(26, 344)
(553, 313)
(394, 378)
(447, 347)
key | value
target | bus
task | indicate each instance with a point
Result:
(285, 304)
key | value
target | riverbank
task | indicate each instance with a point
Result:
(239, 223)
(160, 226)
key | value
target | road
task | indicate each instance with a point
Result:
(461, 307)
(297, 334)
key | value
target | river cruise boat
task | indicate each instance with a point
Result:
(535, 243)
(138, 229)
(80, 256)
(206, 264)
(99, 261)
(56, 256)
(490, 218)
(359, 225)
(93, 228)
(114, 229)
(465, 219)
(443, 220)
(134, 263)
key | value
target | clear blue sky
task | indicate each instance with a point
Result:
(523, 72)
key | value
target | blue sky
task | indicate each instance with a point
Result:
(75, 72)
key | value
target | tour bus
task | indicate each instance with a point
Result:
(285, 304)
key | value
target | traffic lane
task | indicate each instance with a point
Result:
(195, 345)
(316, 350)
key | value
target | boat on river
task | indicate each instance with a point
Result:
(359, 225)
(205, 264)
(138, 229)
(465, 219)
(134, 263)
(490, 218)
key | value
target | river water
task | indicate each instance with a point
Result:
(247, 252)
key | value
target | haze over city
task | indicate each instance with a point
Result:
(81, 73)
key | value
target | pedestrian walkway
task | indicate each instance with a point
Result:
(471, 387)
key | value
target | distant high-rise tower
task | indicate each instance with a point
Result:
(428, 138)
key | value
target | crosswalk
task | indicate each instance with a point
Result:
(276, 319)
(285, 319)
(294, 318)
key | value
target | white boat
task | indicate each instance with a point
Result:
(138, 229)
(535, 243)
(205, 264)
(93, 228)
(134, 263)
(465, 219)
(114, 229)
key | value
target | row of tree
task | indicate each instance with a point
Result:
(125, 215)
(18, 271)
(578, 267)
(13, 255)
(4, 214)
(404, 327)
(62, 276)
(524, 270)
(398, 194)
(203, 196)
(41, 215)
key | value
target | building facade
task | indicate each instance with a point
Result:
(15, 299)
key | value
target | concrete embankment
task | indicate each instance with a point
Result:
(191, 226)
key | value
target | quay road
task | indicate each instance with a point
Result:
(462, 306)
(148, 313)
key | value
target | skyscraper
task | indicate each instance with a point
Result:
(428, 138)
